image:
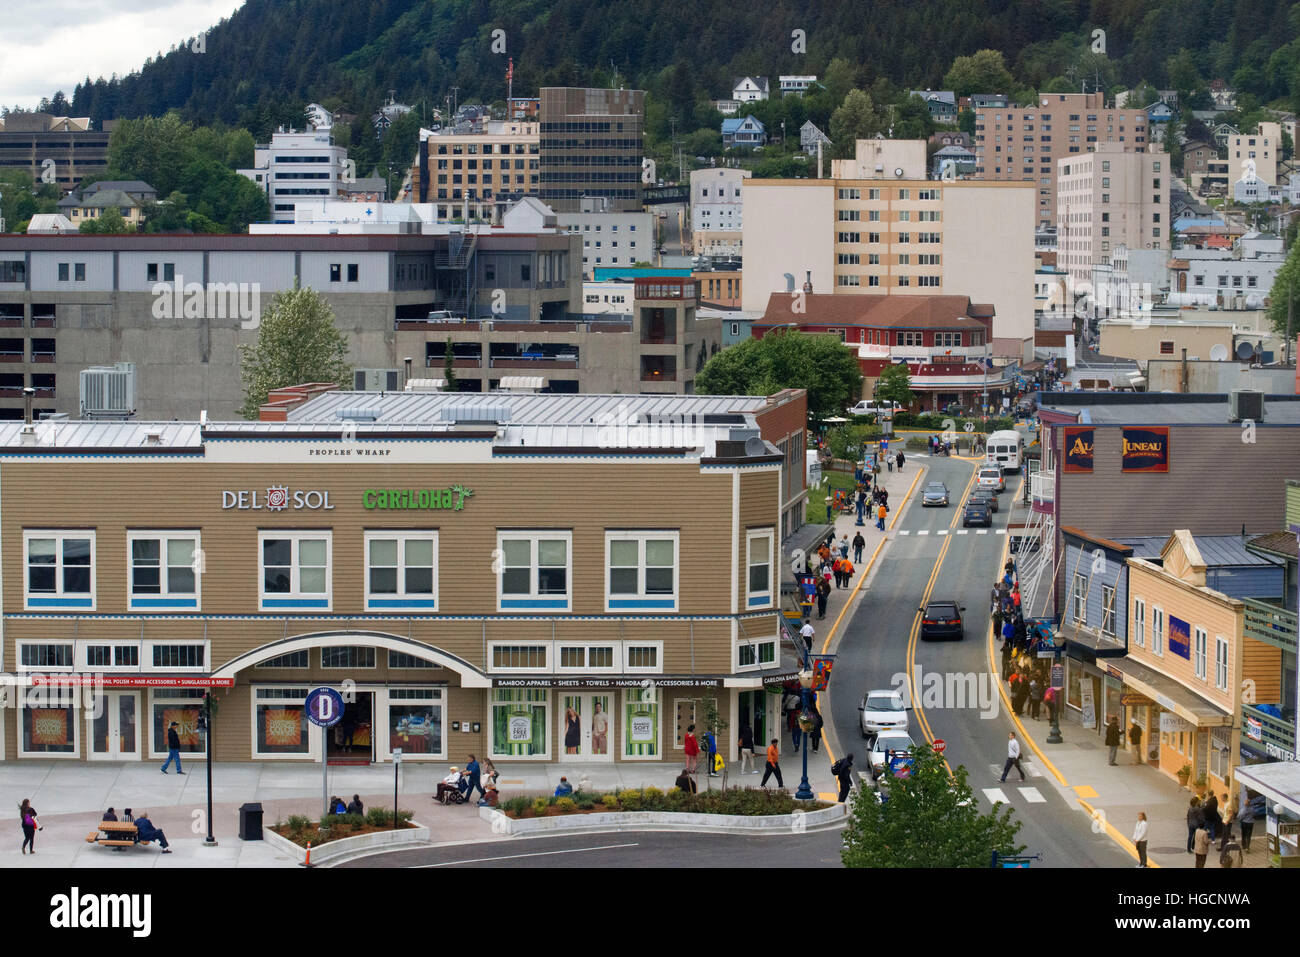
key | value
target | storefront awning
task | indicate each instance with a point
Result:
(1169, 694)
(1099, 645)
(1278, 781)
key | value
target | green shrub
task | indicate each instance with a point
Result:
(354, 822)
(379, 817)
(404, 817)
(584, 800)
(609, 800)
(540, 806)
(516, 806)
(566, 804)
(630, 799)
(298, 822)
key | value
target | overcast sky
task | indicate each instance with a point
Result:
(49, 45)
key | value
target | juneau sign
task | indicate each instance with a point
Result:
(430, 499)
(1145, 449)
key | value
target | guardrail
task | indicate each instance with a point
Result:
(1271, 624)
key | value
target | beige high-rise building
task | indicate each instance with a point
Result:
(1261, 148)
(1110, 198)
(1024, 143)
(894, 236)
(467, 173)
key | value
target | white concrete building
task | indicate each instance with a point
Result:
(296, 166)
(880, 158)
(717, 206)
(1258, 151)
(609, 299)
(795, 84)
(610, 239)
(1238, 278)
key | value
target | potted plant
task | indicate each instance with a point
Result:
(1201, 782)
(1184, 773)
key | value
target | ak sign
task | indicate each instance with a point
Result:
(1145, 449)
(1078, 448)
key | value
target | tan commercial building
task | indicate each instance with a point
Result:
(1025, 143)
(1204, 336)
(468, 172)
(146, 564)
(1262, 148)
(53, 149)
(717, 211)
(1109, 198)
(894, 236)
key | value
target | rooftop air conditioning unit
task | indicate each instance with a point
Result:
(1245, 404)
(375, 380)
(108, 390)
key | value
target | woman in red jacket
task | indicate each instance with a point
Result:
(692, 749)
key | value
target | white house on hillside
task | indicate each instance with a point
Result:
(750, 88)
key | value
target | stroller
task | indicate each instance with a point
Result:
(1230, 856)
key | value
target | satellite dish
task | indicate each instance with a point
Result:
(1245, 350)
(898, 171)
(755, 446)
(1218, 352)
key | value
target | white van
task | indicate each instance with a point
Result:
(869, 407)
(1006, 450)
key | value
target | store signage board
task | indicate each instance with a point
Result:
(1180, 637)
(123, 681)
(606, 682)
(324, 707)
(276, 498)
(424, 499)
(1077, 442)
(1145, 449)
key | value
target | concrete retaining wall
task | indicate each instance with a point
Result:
(347, 846)
(664, 820)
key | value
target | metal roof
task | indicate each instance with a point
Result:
(1149, 408)
(1218, 550)
(116, 434)
(426, 408)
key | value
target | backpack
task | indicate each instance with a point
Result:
(838, 768)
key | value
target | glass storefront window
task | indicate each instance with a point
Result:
(1073, 683)
(281, 721)
(415, 721)
(520, 717)
(49, 730)
(183, 707)
(641, 723)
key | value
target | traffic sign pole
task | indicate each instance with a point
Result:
(324, 709)
(940, 745)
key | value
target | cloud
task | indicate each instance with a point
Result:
(49, 45)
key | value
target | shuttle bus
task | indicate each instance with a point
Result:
(1006, 450)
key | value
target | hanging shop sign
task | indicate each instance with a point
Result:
(1078, 448)
(428, 499)
(1145, 449)
(635, 682)
(277, 498)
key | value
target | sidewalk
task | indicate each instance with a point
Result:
(71, 799)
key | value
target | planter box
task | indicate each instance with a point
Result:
(662, 820)
(346, 846)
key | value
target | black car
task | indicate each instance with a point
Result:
(976, 513)
(986, 496)
(942, 619)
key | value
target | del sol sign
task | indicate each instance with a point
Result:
(277, 498)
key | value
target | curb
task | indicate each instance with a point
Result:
(335, 851)
(613, 821)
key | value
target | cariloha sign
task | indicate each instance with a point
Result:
(433, 499)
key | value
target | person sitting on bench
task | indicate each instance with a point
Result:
(109, 815)
(145, 831)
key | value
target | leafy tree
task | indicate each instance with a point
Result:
(449, 369)
(929, 820)
(966, 122)
(110, 221)
(856, 119)
(1184, 71)
(297, 341)
(895, 385)
(984, 71)
(1286, 285)
(784, 360)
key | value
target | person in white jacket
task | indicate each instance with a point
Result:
(1013, 758)
(1140, 838)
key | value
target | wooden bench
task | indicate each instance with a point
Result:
(116, 834)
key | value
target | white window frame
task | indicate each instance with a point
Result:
(613, 667)
(641, 600)
(295, 599)
(1140, 622)
(21, 668)
(83, 655)
(543, 669)
(1079, 600)
(165, 696)
(757, 643)
(1200, 652)
(533, 601)
(1222, 666)
(1108, 615)
(658, 667)
(400, 600)
(146, 656)
(165, 599)
(58, 600)
(440, 698)
(69, 697)
(547, 704)
(370, 667)
(763, 599)
(1157, 634)
(315, 739)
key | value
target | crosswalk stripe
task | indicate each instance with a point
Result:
(923, 531)
(1033, 796)
(981, 531)
(904, 531)
(995, 796)
(1001, 531)
(942, 531)
(963, 531)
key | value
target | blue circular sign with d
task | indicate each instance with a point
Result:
(324, 707)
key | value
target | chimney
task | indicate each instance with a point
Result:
(407, 362)
(27, 407)
(807, 283)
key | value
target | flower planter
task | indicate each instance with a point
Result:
(347, 846)
(796, 822)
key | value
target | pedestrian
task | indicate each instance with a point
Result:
(830, 518)
(844, 546)
(564, 788)
(823, 592)
(809, 632)
(843, 771)
(692, 748)
(1007, 652)
(475, 774)
(1113, 738)
(145, 831)
(884, 497)
(823, 553)
(838, 572)
(880, 516)
(859, 543)
(711, 747)
(1135, 739)
(448, 784)
(1035, 696)
(1140, 838)
(1228, 814)
(355, 806)
(30, 825)
(900, 459)
(1013, 757)
(1212, 817)
(684, 783)
(109, 815)
(773, 765)
(861, 506)
(1195, 818)
(173, 748)
(127, 817)
(1201, 841)
(816, 733)
(745, 744)
(1252, 809)
(796, 732)
(847, 568)
(348, 727)
(1049, 698)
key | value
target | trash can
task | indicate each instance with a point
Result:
(250, 822)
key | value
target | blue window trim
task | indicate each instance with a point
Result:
(61, 601)
(295, 602)
(164, 603)
(561, 604)
(402, 603)
(759, 601)
(642, 602)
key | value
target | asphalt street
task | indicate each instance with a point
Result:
(626, 849)
(968, 715)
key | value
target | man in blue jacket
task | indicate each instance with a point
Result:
(711, 745)
(145, 831)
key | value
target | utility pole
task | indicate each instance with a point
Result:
(1290, 311)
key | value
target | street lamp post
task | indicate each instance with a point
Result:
(806, 724)
(205, 718)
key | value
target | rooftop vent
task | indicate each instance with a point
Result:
(475, 412)
(370, 414)
(1245, 404)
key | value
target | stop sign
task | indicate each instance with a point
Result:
(939, 745)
